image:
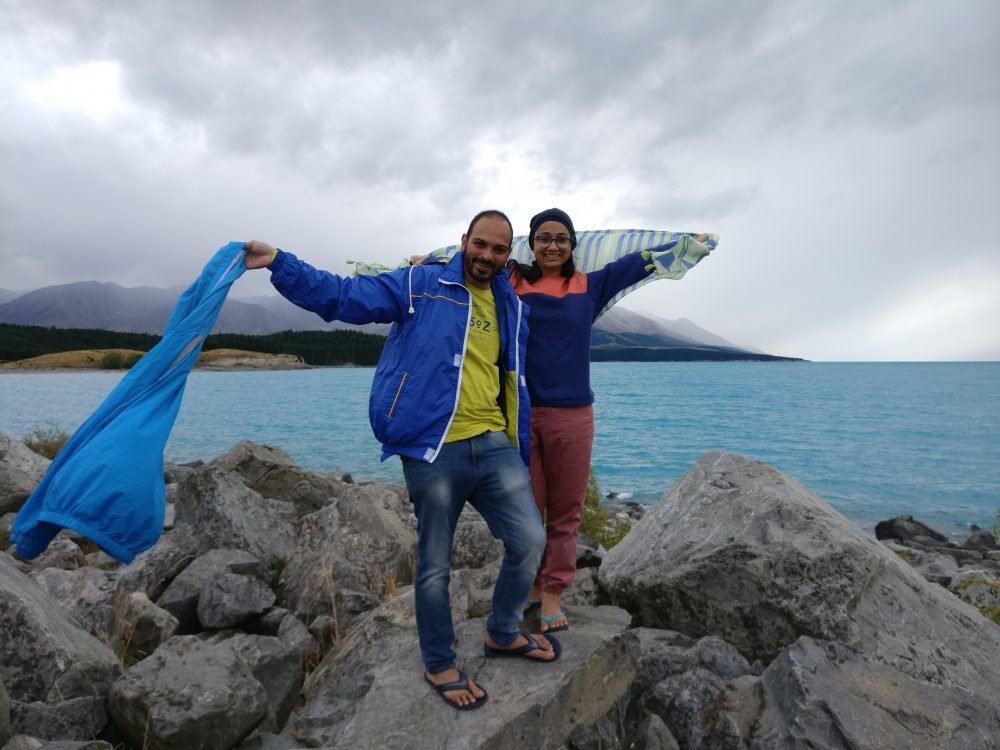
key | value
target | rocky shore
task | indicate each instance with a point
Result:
(276, 612)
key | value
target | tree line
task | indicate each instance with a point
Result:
(319, 348)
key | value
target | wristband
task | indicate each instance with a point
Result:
(273, 256)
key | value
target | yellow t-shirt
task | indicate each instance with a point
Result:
(478, 410)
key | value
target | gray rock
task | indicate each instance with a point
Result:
(101, 560)
(963, 556)
(375, 672)
(151, 571)
(176, 473)
(142, 626)
(821, 694)
(229, 599)
(738, 550)
(936, 567)
(277, 664)
(181, 597)
(84, 745)
(170, 509)
(294, 632)
(653, 734)
(269, 741)
(5, 732)
(589, 553)
(87, 594)
(681, 680)
(351, 555)
(188, 693)
(585, 591)
(21, 469)
(225, 513)
(271, 472)
(268, 622)
(23, 742)
(905, 529)
(324, 630)
(981, 539)
(62, 720)
(63, 552)
(49, 660)
(979, 588)
(474, 546)
(985, 564)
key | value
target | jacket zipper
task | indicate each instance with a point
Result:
(458, 387)
(398, 391)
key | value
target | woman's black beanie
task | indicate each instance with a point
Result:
(551, 214)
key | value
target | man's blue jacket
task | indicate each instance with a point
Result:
(107, 481)
(417, 382)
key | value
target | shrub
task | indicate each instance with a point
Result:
(116, 360)
(598, 523)
(46, 439)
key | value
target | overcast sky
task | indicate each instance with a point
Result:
(847, 153)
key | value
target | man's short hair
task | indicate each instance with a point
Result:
(493, 214)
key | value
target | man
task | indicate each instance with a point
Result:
(449, 398)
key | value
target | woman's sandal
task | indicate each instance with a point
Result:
(549, 620)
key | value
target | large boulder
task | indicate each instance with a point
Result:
(350, 556)
(153, 570)
(224, 512)
(183, 593)
(57, 674)
(822, 694)
(277, 664)
(21, 469)
(374, 672)
(88, 594)
(189, 693)
(271, 472)
(681, 681)
(141, 626)
(230, 599)
(738, 550)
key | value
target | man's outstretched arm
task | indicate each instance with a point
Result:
(359, 299)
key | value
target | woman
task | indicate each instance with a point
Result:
(564, 304)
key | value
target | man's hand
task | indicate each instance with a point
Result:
(258, 254)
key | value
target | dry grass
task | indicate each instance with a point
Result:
(82, 359)
(46, 439)
(122, 359)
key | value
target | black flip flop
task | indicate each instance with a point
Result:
(527, 648)
(462, 683)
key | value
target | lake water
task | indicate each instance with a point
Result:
(874, 440)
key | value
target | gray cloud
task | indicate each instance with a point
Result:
(846, 153)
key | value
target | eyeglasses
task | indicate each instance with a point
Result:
(562, 241)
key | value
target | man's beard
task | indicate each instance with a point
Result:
(477, 269)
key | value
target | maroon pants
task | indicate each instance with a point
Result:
(561, 441)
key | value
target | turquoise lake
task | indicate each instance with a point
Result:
(874, 440)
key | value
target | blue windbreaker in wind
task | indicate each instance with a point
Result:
(107, 481)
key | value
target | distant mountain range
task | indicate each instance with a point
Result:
(620, 334)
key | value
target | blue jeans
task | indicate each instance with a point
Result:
(487, 472)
